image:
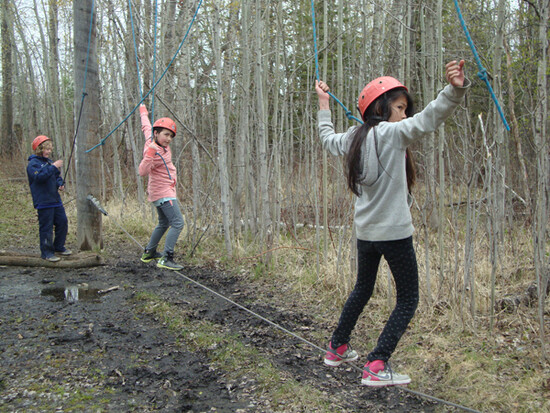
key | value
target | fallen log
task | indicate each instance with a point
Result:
(79, 260)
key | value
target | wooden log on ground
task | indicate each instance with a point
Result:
(80, 260)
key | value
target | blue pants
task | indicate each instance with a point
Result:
(48, 219)
(401, 259)
(170, 216)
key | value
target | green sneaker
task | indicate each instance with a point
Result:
(167, 261)
(150, 255)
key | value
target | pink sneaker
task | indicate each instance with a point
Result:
(342, 354)
(377, 373)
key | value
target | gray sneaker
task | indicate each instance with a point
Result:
(167, 261)
(53, 258)
(377, 373)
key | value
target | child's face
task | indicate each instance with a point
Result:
(47, 150)
(398, 108)
(164, 137)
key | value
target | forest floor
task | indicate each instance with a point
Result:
(71, 344)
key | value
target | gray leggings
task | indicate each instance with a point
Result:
(401, 259)
(170, 216)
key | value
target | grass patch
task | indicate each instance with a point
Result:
(228, 353)
(455, 348)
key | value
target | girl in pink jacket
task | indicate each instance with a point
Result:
(161, 188)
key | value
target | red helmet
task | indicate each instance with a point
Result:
(165, 123)
(38, 140)
(376, 88)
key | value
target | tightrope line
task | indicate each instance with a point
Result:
(97, 204)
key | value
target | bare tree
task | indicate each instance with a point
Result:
(222, 138)
(6, 127)
(542, 263)
(89, 230)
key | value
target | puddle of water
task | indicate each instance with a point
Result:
(72, 294)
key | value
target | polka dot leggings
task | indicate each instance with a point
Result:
(401, 259)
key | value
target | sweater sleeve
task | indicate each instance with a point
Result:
(41, 173)
(145, 126)
(146, 163)
(429, 119)
(336, 143)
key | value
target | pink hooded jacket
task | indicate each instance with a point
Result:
(162, 172)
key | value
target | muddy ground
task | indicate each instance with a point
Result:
(97, 352)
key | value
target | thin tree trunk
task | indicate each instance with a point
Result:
(6, 127)
(222, 140)
(542, 263)
(262, 130)
(53, 77)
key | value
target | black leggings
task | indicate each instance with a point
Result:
(401, 259)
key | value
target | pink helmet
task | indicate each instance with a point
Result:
(165, 123)
(376, 88)
(39, 140)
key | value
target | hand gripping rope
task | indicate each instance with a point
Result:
(322, 351)
(348, 112)
(482, 73)
(102, 142)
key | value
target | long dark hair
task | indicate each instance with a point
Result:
(378, 111)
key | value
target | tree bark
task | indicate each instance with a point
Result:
(222, 139)
(6, 128)
(89, 229)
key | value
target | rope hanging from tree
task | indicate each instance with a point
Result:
(135, 49)
(102, 141)
(348, 112)
(154, 62)
(482, 72)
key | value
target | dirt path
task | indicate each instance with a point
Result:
(102, 353)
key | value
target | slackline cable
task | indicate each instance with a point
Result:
(97, 204)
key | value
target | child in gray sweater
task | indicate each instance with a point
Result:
(380, 171)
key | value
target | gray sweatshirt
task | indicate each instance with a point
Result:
(382, 212)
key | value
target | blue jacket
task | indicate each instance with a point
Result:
(44, 180)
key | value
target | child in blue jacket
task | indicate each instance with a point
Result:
(45, 182)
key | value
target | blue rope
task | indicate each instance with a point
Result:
(102, 142)
(135, 48)
(348, 112)
(154, 62)
(84, 94)
(482, 73)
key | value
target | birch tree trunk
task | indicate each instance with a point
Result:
(6, 128)
(222, 140)
(53, 78)
(241, 176)
(262, 129)
(427, 80)
(542, 263)
(89, 230)
(500, 165)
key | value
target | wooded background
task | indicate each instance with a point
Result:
(241, 89)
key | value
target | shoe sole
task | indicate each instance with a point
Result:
(336, 363)
(377, 383)
(169, 268)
